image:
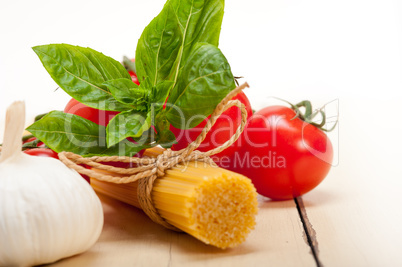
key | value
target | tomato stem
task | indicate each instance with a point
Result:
(309, 115)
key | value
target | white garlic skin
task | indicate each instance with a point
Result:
(47, 213)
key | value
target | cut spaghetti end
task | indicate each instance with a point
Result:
(225, 211)
(219, 210)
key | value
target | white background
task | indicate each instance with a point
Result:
(317, 50)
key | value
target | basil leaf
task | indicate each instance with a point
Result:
(167, 41)
(168, 139)
(158, 47)
(81, 72)
(68, 132)
(160, 92)
(127, 124)
(128, 93)
(203, 82)
(159, 95)
(200, 22)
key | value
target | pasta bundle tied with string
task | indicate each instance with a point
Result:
(182, 190)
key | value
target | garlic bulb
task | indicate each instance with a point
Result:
(47, 211)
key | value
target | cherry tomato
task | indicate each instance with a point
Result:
(29, 140)
(225, 126)
(42, 152)
(47, 152)
(134, 77)
(284, 156)
(101, 117)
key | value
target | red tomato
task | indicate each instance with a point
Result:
(123, 165)
(101, 117)
(134, 77)
(225, 126)
(47, 152)
(42, 152)
(284, 156)
(29, 140)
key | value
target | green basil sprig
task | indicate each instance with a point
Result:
(178, 64)
(69, 132)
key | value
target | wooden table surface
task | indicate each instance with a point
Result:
(352, 219)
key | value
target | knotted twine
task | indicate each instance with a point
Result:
(149, 169)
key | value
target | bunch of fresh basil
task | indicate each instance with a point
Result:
(178, 64)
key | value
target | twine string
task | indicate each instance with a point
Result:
(147, 170)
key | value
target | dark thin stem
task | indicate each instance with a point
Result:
(237, 79)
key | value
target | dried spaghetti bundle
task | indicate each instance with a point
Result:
(214, 205)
